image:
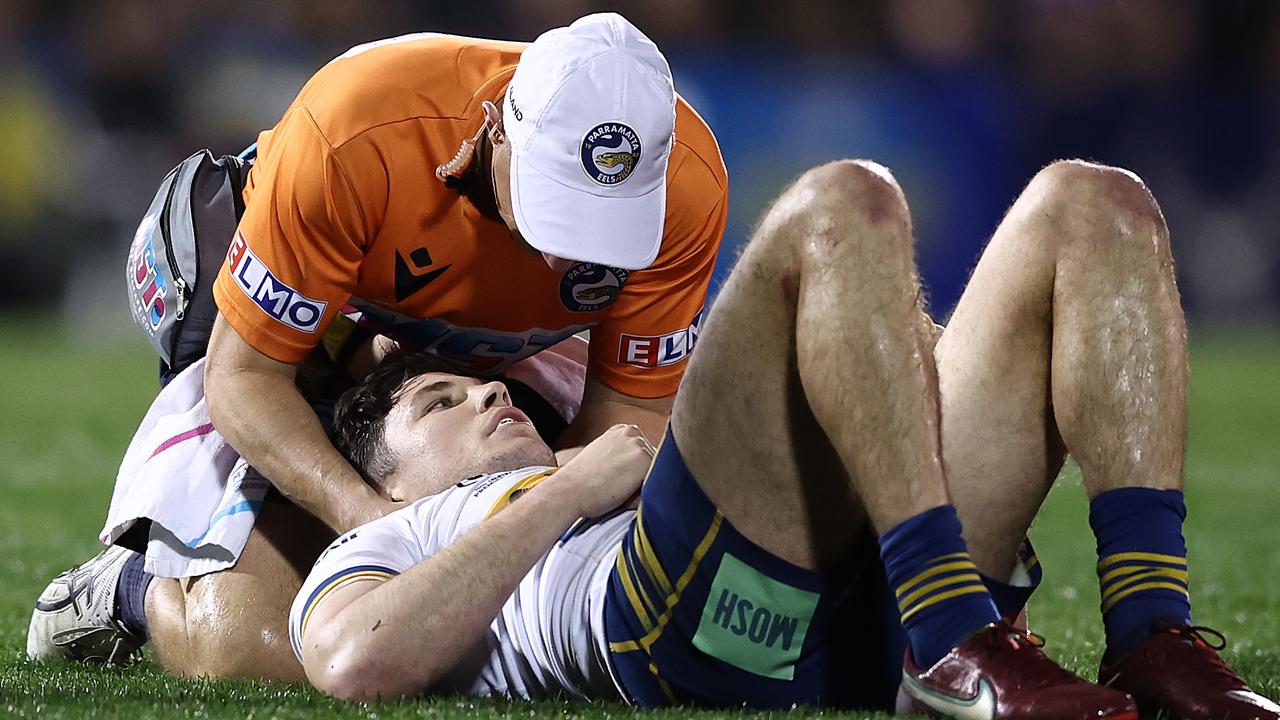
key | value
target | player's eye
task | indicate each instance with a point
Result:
(440, 403)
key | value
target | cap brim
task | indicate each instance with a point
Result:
(621, 232)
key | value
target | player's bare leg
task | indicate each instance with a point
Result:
(1070, 337)
(166, 608)
(811, 408)
(818, 331)
(234, 623)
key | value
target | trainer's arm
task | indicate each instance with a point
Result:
(255, 405)
(400, 637)
(603, 407)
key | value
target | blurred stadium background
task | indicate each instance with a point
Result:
(963, 99)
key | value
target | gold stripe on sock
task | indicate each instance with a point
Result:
(966, 590)
(960, 579)
(934, 571)
(1109, 590)
(1106, 606)
(1110, 560)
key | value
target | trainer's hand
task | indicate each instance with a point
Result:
(608, 472)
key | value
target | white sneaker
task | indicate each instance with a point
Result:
(74, 618)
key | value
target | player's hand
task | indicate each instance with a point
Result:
(609, 470)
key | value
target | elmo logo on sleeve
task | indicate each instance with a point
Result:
(659, 350)
(274, 297)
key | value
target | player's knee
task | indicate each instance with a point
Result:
(851, 191)
(1089, 192)
(820, 217)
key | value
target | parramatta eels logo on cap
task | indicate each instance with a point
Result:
(610, 151)
(587, 287)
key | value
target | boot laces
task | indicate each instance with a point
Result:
(1038, 670)
(1208, 641)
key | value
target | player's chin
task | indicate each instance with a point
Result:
(520, 449)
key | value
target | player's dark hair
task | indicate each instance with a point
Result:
(359, 417)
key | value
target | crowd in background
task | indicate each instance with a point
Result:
(963, 99)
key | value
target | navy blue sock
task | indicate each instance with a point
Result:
(1142, 563)
(941, 598)
(131, 595)
(1011, 596)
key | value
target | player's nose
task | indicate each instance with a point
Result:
(489, 394)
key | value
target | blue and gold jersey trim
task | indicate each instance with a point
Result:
(333, 582)
(521, 487)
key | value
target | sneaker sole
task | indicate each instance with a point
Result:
(908, 705)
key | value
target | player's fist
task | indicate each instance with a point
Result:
(608, 472)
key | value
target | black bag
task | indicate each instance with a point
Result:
(176, 253)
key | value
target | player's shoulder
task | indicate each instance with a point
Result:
(394, 532)
(427, 76)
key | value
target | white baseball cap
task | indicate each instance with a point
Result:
(590, 114)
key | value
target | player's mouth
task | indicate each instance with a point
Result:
(502, 417)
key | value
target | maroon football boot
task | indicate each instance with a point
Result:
(1177, 672)
(1000, 673)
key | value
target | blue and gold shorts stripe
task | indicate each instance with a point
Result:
(645, 583)
(695, 613)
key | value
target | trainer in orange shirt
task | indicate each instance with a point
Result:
(590, 198)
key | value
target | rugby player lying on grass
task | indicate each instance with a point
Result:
(818, 423)
(347, 193)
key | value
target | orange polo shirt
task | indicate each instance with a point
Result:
(344, 214)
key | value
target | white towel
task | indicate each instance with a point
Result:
(181, 475)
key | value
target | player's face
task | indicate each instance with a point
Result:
(444, 428)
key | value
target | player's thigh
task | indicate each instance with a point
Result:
(744, 428)
(237, 619)
(1000, 445)
(695, 613)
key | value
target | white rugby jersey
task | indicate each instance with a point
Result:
(547, 640)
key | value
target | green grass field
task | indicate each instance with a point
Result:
(66, 414)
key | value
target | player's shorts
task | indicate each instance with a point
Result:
(697, 614)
